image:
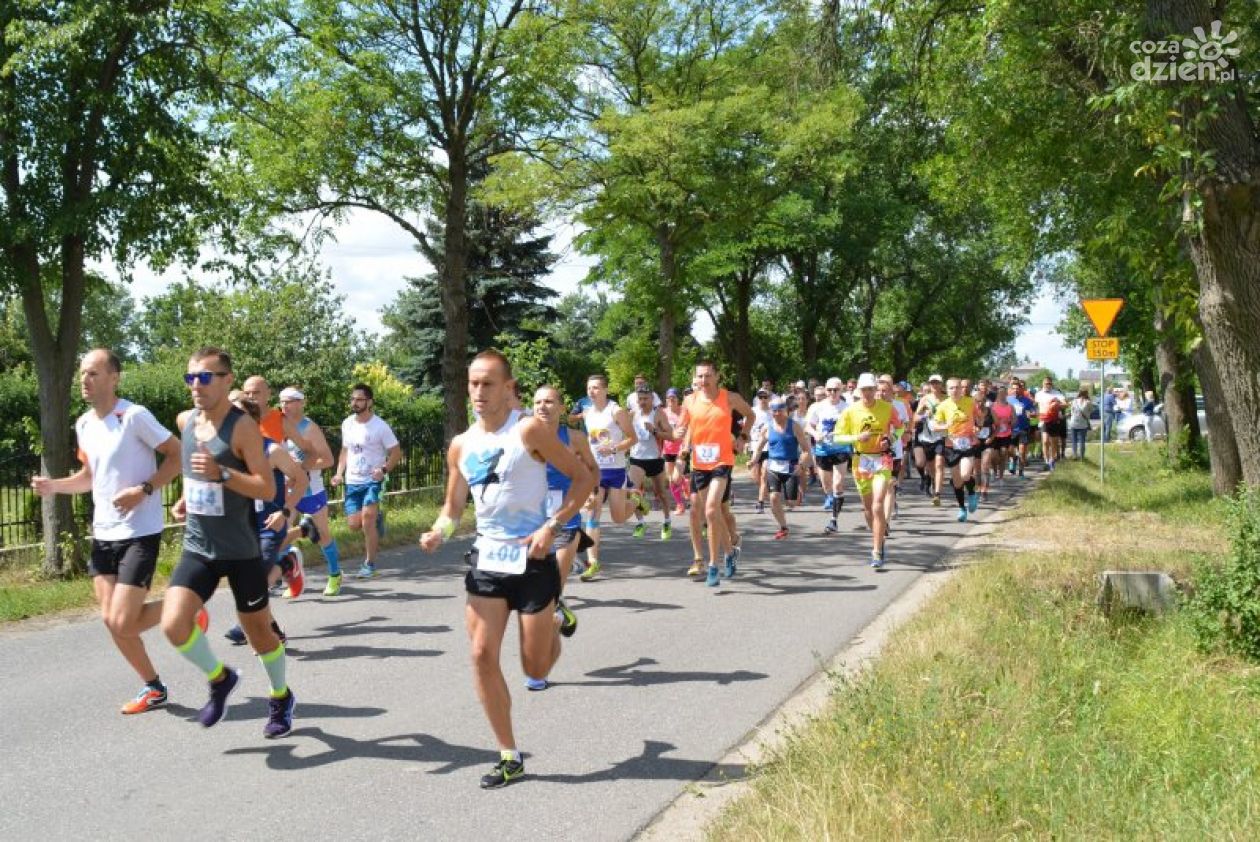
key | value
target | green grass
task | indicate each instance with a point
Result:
(24, 593)
(1010, 707)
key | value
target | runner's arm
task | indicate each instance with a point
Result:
(539, 440)
(318, 455)
(128, 498)
(627, 429)
(452, 505)
(802, 441)
(339, 475)
(297, 480)
(247, 444)
(80, 482)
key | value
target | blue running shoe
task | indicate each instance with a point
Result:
(235, 634)
(280, 715)
(536, 684)
(831, 528)
(962, 513)
(827, 501)
(731, 558)
(712, 579)
(213, 711)
(877, 560)
(973, 501)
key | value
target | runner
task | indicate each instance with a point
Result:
(669, 451)
(117, 443)
(830, 457)
(956, 417)
(1051, 404)
(870, 425)
(224, 472)
(646, 461)
(272, 518)
(1025, 410)
(1003, 430)
(502, 460)
(929, 444)
(706, 423)
(308, 447)
(983, 398)
(886, 392)
(369, 451)
(756, 436)
(611, 435)
(782, 445)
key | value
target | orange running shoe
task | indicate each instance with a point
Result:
(147, 699)
(203, 620)
(296, 575)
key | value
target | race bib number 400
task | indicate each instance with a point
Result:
(203, 498)
(708, 454)
(495, 556)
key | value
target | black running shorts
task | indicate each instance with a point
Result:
(247, 577)
(700, 480)
(650, 467)
(787, 484)
(530, 592)
(132, 560)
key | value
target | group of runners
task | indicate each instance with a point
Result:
(540, 478)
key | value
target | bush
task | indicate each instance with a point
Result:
(1225, 609)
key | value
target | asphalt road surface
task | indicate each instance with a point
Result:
(663, 676)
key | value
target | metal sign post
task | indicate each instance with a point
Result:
(1102, 313)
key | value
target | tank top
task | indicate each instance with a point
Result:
(783, 448)
(298, 454)
(558, 485)
(508, 485)
(671, 446)
(645, 445)
(220, 523)
(602, 429)
(710, 429)
(1003, 419)
(265, 508)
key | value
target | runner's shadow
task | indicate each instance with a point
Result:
(634, 605)
(629, 675)
(255, 708)
(652, 765)
(366, 626)
(338, 653)
(407, 748)
(765, 580)
(380, 596)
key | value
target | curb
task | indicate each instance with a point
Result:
(701, 801)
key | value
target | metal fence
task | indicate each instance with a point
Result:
(423, 465)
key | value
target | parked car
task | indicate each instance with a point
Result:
(1133, 426)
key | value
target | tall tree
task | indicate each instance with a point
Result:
(99, 155)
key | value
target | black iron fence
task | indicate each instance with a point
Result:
(423, 465)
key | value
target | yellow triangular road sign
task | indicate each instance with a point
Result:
(1102, 312)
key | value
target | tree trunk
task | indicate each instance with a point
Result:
(1222, 444)
(455, 299)
(1176, 388)
(743, 331)
(669, 316)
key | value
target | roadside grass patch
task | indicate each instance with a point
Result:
(1011, 707)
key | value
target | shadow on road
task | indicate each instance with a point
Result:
(369, 625)
(630, 675)
(651, 765)
(408, 748)
(338, 653)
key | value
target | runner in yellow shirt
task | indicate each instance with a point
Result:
(868, 424)
(956, 416)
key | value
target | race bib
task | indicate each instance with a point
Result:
(870, 464)
(495, 556)
(708, 454)
(779, 466)
(984, 432)
(203, 498)
(962, 443)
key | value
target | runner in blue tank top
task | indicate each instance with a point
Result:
(785, 444)
(501, 462)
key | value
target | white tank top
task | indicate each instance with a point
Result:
(602, 429)
(509, 486)
(645, 446)
(317, 477)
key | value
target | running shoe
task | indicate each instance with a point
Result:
(280, 716)
(696, 568)
(641, 505)
(712, 579)
(831, 527)
(973, 501)
(147, 699)
(591, 571)
(962, 513)
(216, 707)
(296, 575)
(667, 531)
(334, 585)
(936, 500)
(640, 530)
(877, 559)
(504, 772)
(367, 571)
(235, 634)
(308, 529)
(732, 558)
(203, 620)
(568, 620)
(761, 507)
(536, 684)
(781, 534)
(827, 501)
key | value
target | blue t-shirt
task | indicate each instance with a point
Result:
(1022, 405)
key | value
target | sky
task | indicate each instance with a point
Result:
(372, 256)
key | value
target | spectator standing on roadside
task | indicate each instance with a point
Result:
(1078, 422)
(1109, 414)
(1148, 409)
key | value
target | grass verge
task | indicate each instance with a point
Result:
(25, 593)
(1011, 707)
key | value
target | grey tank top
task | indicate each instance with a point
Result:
(233, 535)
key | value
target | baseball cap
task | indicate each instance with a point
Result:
(671, 392)
(903, 386)
(288, 393)
(866, 380)
(643, 389)
(936, 378)
(799, 384)
(778, 403)
(834, 383)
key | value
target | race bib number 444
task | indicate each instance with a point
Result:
(203, 498)
(495, 556)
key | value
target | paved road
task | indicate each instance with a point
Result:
(662, 678)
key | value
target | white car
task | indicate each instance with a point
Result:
(1133, 425)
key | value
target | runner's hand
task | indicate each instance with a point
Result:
(335, 481)
(42, 486)
(540, 542)
(202, 462)
(276, 521)
(127, 499)
(430, 540)
(178, 510)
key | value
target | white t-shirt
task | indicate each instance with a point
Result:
(903, 420)
(368, 447)
(119, 450)
(760, 427)
(602, 429)
(645, 445)
(822, 418)
(1045, 397)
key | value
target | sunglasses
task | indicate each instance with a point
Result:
(203, 377)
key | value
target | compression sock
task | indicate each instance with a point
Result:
(197, 650)
(156, 683)
(958, 494)
(332, 556)
(971, 486)
(273, 663)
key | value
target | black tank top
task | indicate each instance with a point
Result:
(233, 534)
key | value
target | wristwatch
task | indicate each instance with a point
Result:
(226, 475)
(147, 488)
(554, 525)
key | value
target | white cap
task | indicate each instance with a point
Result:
(866, 380)
(835, 383)
(800, 384)
(936, 378)
(288, 393)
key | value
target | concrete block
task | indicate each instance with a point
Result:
(1152, 591)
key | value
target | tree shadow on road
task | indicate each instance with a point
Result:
(652, 765)
(338, 653)
(630, 675)
(407, 748)
(779, 582)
